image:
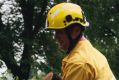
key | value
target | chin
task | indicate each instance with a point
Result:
(64, 47)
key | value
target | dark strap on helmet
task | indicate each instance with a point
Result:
(73, 42)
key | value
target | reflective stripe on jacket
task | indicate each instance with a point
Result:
(86, 63)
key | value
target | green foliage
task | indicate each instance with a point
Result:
(50, 50)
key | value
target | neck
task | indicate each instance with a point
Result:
(82, 38)
(74, 42)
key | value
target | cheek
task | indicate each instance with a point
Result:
(64, 43)
(63, 40)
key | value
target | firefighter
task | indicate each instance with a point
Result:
(83, 61)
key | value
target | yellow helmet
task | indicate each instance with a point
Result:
(64, 14)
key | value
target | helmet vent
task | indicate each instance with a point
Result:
(76, 19)
(68, 18)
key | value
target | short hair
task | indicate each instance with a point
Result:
(70, 27)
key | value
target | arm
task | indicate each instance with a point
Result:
(79, 72)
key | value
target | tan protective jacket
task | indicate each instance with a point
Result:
(86, 63)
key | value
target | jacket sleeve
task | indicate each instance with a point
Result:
(79, 72)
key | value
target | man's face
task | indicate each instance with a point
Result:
(62, 38)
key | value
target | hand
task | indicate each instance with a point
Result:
(48, 76)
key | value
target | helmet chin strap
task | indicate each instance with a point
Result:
(72, 41)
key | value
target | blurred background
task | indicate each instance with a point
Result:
(28, 51)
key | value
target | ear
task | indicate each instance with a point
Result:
(75, 32)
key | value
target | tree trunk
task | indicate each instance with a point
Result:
(27, 11)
